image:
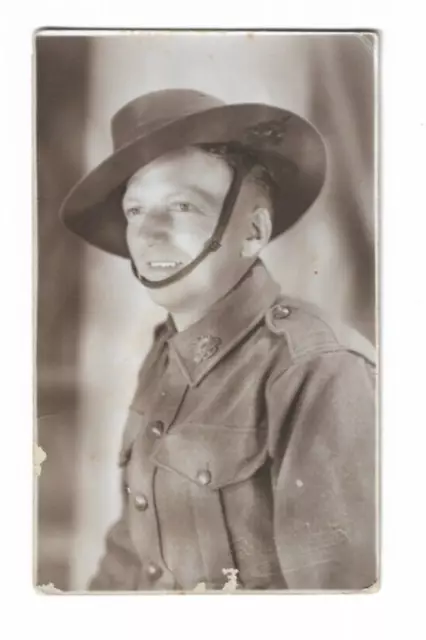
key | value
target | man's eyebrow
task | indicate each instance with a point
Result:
(199, 191)
(128, 200)
(210, 199)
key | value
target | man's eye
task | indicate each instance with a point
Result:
(182, 206)
(133, 211)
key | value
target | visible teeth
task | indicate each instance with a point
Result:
(163, 265)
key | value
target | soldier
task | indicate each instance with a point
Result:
(250, 443)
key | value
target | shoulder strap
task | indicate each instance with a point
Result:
(308, 331)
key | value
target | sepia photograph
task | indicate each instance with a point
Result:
(206, 309)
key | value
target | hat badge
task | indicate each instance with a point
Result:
(270, 132)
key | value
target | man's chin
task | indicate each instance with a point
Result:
(159, 276)
(173, 297)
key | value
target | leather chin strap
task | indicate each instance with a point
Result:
(241, 166)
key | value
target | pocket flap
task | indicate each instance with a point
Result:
(212, 455)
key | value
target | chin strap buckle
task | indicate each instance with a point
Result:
(212, 245)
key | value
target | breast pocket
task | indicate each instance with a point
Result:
(202, 465)
(212, 455)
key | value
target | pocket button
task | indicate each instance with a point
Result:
(204, 477)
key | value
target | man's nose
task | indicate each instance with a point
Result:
(154, 226)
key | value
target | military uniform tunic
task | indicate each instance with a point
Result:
(250, 444)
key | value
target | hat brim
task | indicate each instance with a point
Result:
(296, 162)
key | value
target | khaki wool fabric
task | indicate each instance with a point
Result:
(250, 444)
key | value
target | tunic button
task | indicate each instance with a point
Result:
(204, 477)
(141, 502)
(153, 570)
(280, 312)
(156, 428)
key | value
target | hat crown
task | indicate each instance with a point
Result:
(155, 110)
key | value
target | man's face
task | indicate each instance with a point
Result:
(172, 206)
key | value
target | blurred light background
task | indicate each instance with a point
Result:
(94, 321)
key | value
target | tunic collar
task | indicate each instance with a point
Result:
(202, 345)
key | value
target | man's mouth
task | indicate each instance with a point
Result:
(164, 264)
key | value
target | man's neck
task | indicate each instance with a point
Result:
(184, 319)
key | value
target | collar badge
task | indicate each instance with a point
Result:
(205, 348)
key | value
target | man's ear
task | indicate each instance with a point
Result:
(260, 230)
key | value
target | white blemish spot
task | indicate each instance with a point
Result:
(39, 456)
(231, 585)
(299, 483)
(49, 589)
